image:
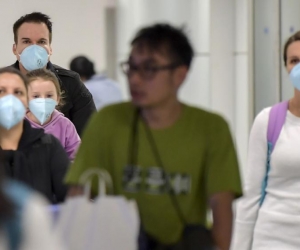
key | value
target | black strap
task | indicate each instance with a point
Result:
(133, 160)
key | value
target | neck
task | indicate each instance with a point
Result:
(22, 69)
(162, 117)
(9, 139)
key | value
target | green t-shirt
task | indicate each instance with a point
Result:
(197, 153)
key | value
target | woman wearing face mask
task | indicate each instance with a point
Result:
(268, 217)
(30, 155)
(44, 96)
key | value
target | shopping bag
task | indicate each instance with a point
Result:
(106, 223)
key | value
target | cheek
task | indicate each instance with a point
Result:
(25, 102)
(289, 67)
(56, 98)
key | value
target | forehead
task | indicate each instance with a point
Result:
(142, 53)
(41, 85)
(33, 31)
(11, 80)
(293, 49)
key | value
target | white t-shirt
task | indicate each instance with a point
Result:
(37, 233)
(104, 91)
(276, 224)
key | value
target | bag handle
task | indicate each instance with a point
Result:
(104, 179)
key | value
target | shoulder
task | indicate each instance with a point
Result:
(112, 116)
(65, 72)
(117, 111)
(206, 117)
(262, 117)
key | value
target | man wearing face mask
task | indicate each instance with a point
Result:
(32, 47)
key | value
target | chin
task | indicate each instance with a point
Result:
(140, 104)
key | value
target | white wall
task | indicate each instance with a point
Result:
(78, 28)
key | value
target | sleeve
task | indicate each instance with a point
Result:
(248, 206)
(222, 170)
(90, 153)
(72, 140)
(83, 106)
(38, 232)
(59, 166)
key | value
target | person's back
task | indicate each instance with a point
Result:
(104, 90)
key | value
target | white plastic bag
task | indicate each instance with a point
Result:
(107, 223)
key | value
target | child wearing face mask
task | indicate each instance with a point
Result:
(44, 96)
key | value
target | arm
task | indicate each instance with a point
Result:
(221, 205)
(72, 140)
(248, 206)
(83, 105)
(223, 183)
(59, 165)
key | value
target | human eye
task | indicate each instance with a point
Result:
(35, 96)
(294, 60)
(49, 96)
(18, 92)
(26, 41)
(43, 42)
(150, 69)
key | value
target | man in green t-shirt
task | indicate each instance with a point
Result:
(173, 159)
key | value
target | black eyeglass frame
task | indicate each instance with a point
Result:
(125, 67)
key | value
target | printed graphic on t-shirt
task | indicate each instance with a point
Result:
(156, 181)
(132, 179)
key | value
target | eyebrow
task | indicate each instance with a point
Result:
(41, 39)
(149, 60)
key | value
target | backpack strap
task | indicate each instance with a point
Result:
(276, 120)
(19, 195)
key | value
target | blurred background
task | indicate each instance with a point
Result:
(238, 68)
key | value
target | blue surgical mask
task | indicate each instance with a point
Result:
(12, 111)
(42, 108)
(295, 76)
(34, 57)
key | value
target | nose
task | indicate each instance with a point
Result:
(134, 77)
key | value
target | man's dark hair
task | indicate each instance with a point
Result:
(34, 17)
(161, 37)
(83, 66)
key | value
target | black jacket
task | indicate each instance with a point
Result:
(40, 161)
(79, 101)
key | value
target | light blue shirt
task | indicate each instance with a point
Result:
(104, 90)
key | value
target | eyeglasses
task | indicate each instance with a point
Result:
(146, 72)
